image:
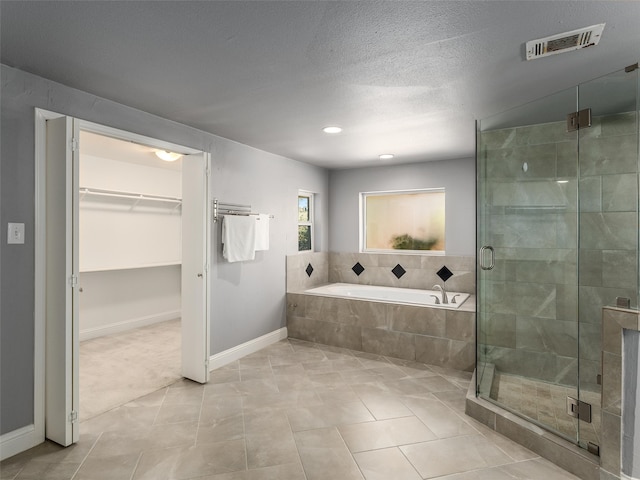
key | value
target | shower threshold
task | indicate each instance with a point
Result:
(562, 452)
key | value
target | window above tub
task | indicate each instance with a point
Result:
(403, 221)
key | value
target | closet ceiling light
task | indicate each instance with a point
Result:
(386, 156)
(332, 129)
(167, 156)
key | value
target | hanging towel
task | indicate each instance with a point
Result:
(262, 232)
(238, 238)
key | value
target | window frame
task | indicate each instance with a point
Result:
(310, 222)
(363, 224)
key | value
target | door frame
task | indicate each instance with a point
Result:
(36, 435)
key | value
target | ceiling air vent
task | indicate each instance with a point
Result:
(564, 42)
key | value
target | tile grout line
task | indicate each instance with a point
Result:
(86, 456)
(195, 440)
(135, 467)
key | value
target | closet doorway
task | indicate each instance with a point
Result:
(130, 233)
(119, 254)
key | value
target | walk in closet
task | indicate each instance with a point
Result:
(130, 249)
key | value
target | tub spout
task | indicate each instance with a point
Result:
(445, 299)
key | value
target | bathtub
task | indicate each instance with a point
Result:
(410, 296)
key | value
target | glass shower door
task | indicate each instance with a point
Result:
(557, 241)
(608, 234)
(528, 261)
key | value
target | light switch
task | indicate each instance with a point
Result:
(15, 233)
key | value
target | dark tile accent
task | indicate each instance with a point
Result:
(357, 269)
(445, 274)
(309, 270)
(398, 271)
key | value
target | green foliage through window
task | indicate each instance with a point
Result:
(407, 242)
(304, 238)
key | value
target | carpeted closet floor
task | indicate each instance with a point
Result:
(116, 369)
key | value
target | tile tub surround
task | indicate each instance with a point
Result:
(614, 321)
(417, 333)
(298, 277)
(421, 270)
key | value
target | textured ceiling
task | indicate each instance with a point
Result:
(401, 77)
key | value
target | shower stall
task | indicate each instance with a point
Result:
(557, 237)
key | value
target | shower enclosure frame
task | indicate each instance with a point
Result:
(557, 238)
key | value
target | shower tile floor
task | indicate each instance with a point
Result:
(293, 411)
(546, 403)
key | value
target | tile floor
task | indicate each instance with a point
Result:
(546, 403)
(293, 411)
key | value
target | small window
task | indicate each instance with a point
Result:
(305, 222)
(410, 221)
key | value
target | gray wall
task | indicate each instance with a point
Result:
(248, 298)
(456, 176)
(269, 184)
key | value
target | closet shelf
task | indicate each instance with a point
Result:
(138, 197)
(96, 269)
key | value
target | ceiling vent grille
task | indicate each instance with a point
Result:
(564, 42)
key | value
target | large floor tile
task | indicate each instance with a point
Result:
(454, 455)
(386, 464)
(190, 462)
(328, 416)
(292, 411)
(441, 420)
(386, 433)
(324, 455)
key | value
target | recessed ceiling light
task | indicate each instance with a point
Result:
(332, 129)
(167, 156)
(386, 156)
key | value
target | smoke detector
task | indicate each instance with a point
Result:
(564, 42)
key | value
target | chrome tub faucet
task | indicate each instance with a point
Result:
(445, 299)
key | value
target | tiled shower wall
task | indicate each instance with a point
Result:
(411, 271)
(533, 225)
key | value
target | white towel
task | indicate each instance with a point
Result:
(262, 232)
(238, 238)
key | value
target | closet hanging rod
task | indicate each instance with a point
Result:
(131, 195)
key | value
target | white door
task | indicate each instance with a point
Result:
(196, 227)
(62, 344)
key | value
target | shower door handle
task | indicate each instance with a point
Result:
(492, 257)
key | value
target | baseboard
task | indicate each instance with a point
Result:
(125, 325)
(231, 355)
(627, 477)
(12, 443)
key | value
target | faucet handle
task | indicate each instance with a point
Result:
(437, 299)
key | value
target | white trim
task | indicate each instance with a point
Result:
(40, 228)
(34, 434)
(130, 324)
(135, 138)
(12, 443)
(231, 355)
(362, 225)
